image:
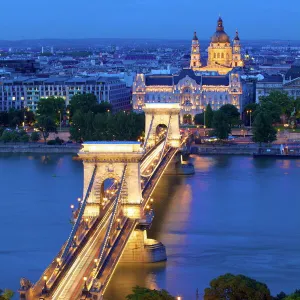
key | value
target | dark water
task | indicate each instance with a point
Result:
(235, 215)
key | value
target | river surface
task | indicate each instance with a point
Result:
(235, 215)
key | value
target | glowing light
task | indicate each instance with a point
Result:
(45, 278)
(72, 206)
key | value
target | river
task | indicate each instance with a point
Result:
(236, 214)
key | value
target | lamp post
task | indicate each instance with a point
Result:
(45, 288)
(59, 120)
(250, 112)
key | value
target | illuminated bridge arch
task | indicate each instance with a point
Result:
(162, 114)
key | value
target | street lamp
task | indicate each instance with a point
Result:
(45, 288)
(250, 111)
(59, 120)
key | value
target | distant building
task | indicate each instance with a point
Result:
(222, 56)
(194, 88)
(26, 92)
(289, 83)
(24, 66)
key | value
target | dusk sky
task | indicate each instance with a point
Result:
(167, 19)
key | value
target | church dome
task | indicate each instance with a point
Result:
(220, 36)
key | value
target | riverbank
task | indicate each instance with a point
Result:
(38, 148)
(248, 149)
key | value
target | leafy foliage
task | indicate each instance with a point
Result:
(45, 125)
(6, 295)
(263, 131)
(237, 287)
(209, 115)
(51, 107)
(140, 293)
(220, 125)
(232, 114)
(106, 126)
(35, 136)
(199, 119)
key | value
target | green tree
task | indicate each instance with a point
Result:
(83, 103)
(6, 136)
(209, 115)
(6, 295)
(101, 108)
(220, 125)
(199, 119)
(140, 293)
(236, 287)
(281, 100)
(232, 113)
(45, 125)
(51, 107)
(35, 136)
(263, 131)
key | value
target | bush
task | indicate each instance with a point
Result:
(35, 136)
(25, 138)
(51, 142)
(6, 136)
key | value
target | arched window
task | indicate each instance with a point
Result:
(218, 55)
(194, 64)
(227, 55)
(222, 55)
(215, 55)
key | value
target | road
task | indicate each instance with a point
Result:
(71, 285)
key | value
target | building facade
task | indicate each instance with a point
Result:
(193, 88)
(193, 92)
(288, 83)
(26, 92)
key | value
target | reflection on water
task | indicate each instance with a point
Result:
(236, 214)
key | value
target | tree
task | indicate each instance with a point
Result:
(187, 119)
(6, 295)
(263, 131)
(140, 293)
(281, 100)
(82, 102)
(51, 107)
(6, 136)
(209, 115)
(232, 114)
(237, 287)
(45, 125)
(220, 125)
(35, 136)
(199, 119)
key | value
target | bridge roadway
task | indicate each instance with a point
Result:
(117, 248)
(68, 282)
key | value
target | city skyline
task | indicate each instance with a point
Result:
(148, 19)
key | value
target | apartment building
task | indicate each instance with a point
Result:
(26, 92)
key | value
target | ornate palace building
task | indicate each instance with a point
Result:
(192, 87)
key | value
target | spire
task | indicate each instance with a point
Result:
(220, 26)
(236, 35)
(195, 38)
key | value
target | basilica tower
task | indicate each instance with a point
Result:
(236, 52)
(220, 50)
(195, 63)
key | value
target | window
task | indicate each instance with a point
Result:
(218, 55)
(222, 55)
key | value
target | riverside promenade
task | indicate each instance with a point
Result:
(38, 148)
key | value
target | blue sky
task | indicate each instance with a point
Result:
(167, 19)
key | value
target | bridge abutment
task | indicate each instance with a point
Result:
(140, 249)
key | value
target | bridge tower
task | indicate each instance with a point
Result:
(162, 114)
(111, 158)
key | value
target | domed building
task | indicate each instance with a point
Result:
(222, 55)
(215, 84)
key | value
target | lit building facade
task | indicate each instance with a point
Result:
(26, 92)
(192, 87)
(193, 92)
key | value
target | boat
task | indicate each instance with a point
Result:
(284, 152)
